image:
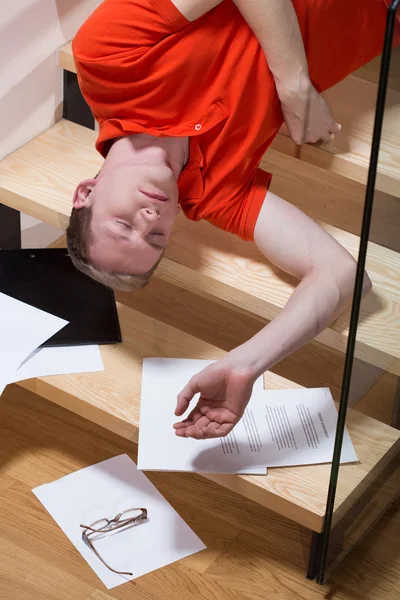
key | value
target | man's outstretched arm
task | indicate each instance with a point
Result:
(297, 245)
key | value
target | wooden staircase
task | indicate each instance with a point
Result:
(324, 181)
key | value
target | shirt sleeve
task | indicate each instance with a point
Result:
(131, 26)
(236, 213)
(242, 216)
(252, 204)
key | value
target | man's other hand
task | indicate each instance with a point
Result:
(307, 116)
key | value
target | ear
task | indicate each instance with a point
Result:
(82, 196)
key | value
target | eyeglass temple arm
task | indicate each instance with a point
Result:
(89, 542)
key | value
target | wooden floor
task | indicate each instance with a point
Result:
(252, 553)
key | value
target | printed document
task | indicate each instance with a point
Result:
(279, 428)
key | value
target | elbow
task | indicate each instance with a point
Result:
(348, 271)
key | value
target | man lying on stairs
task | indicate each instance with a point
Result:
(189, 94)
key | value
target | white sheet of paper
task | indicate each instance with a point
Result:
(161, 450)
(22, 329)
(59, 361)
(104, 490)
(279, 428)
(298, 427)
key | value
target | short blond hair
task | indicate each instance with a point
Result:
(78, 238)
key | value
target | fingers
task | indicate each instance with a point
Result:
(298, 137)
(326, 137)
(205, 423)
(193, 417)
(194, 429)
(186, 396)
(333, 130)
(203, 429)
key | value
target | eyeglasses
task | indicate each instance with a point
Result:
(125, 519)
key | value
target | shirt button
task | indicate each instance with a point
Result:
(197, 127)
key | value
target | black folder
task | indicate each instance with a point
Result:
(48, 280)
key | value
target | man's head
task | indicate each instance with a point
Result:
(121, 220)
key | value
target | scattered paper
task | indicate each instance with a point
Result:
(59, 361)
(159, 447)
(23, 328)
(104, 490)
(298, 427)
(279, 428)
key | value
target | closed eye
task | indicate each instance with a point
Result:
(153, 237)
(124, 225)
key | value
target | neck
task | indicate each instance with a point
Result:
(142, 148)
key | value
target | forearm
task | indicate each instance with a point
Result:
(326, 271)
(275, 24)
(317, 301)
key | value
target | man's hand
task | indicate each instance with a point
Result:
(275, 24)
(307, 116)
(224, 395)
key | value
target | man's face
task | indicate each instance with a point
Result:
(133, 211)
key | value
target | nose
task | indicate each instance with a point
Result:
(148, 217)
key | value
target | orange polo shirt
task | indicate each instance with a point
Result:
(143, 67)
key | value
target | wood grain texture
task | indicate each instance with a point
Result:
(370, 72)
(40, 178)
(112, 400)
(5, 483)
(251, 560)
(330, 198)
(356, 524)
(284, 145)
(372, 390)
(394, 593)
(37, 580)
(353, 102)
(252, 553)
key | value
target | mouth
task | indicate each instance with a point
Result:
(154, 195)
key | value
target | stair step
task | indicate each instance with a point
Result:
(112, 400)
(371, 71)
(353, 104)
(66, 58)
(334, 199)
(39, 179)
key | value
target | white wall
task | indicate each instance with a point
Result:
(31, 31)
